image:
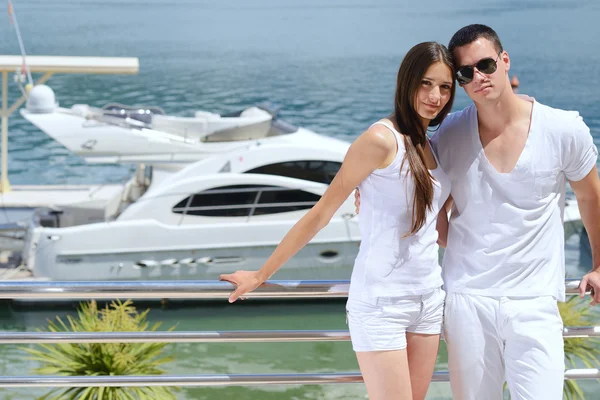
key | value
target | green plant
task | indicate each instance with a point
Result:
(575, 312)
(94, 359)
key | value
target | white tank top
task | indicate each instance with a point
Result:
(389, 264)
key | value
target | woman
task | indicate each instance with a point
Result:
(395, 302)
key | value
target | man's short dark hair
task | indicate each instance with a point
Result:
(471, 33)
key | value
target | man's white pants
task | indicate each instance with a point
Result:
(491, 339)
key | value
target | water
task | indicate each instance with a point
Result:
(330, 65)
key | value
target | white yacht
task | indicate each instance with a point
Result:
(217, 215)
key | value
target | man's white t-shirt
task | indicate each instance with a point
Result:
(506, 234)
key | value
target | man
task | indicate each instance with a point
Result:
(508, 158)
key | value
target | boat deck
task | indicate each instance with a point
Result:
(57, 195)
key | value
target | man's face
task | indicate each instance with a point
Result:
(484, 87)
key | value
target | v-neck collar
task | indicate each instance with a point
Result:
(524, 153)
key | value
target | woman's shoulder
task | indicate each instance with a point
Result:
(383, 133)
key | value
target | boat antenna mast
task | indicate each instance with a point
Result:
(24, 73)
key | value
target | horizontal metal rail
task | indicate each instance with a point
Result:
(221, 380)
(31, 290)
(262, 336)
(179, 380)
(581, 331)
(174, 337)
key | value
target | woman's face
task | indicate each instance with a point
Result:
(434, 91)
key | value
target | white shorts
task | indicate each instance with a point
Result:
(381, 325)
(491, 339)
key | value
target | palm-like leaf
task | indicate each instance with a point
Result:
(96, 359)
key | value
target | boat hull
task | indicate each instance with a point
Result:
(146, 250)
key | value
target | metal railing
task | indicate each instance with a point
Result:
(202, 290)
(181, 289)
(223, 380)
(257, 336)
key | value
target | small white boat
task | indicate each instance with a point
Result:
(123, 134)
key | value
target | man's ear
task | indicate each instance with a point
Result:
(506, 60)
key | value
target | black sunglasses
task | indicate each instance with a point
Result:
(465, 74)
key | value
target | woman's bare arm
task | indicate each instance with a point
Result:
(370, 151)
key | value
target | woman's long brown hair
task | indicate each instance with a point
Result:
(411, 72)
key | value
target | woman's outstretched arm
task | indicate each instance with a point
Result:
(370, 151)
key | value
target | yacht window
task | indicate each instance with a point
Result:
(331, 169)
(315, 171)
(224, 201)
(284, 200)
(241, 201)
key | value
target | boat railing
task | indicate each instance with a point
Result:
(129, 117)
(50, 290)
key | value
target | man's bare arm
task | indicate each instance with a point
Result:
(587, 192)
